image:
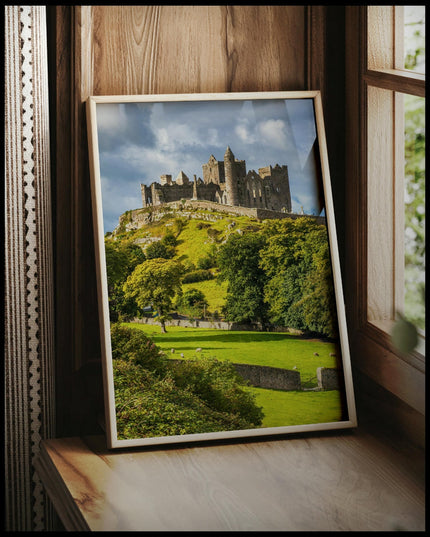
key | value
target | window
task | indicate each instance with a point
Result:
(395, 78)
(384, 186)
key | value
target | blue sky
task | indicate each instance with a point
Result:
(138, 142)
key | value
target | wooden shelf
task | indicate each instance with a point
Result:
(347, 481)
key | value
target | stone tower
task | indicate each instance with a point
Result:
(230, 177)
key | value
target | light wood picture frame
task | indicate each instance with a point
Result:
(220, 295)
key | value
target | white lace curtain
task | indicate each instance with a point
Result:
(29, 329)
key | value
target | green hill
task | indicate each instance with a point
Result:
(280, 276)
(198, 234)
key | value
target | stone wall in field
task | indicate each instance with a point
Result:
(328, 378)
(276, 378)
(219, 325)
(273, 378)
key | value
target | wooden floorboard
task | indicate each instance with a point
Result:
(347, 481)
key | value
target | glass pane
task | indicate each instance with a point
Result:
(414, 35)
(415, 210)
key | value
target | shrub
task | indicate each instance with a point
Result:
(219, 385)
(169, 239)
(159, 249)
(133, 346)
(155, 396)
(192, 303)
(214, 234)
(150, 406)
(199, 275)
(206, 262)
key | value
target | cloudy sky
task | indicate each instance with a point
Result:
(138, 142)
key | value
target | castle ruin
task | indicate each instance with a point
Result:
(225, 182)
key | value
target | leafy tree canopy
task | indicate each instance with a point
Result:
(192, 303)
(239, 264)
(155, 282)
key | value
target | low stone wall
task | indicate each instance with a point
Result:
(253, 212)
(186, 323)
(219, 325)
(328, 378)
(263, 376)
(276, 378)
(273, 378)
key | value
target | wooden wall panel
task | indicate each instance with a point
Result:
(119, 50)
(192, 49)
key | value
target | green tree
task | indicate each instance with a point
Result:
(415, 210)
(318, 299)
(299, 288)
(159, 249)
(155, 282)
(192, 303)
(169, 239)
(121, 259)
(239, 264)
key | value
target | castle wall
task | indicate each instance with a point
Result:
(146, 195)
(258, 213)
(168, 193)
(252, 192)
(226, 182)
(277, 187)
(182, 179)
(239, 168)
(209, 192)
(213, 171)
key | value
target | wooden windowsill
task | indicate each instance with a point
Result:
(347, 481)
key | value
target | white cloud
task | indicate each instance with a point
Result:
(273, 132)
(178, 136)
(213, 138)
(148, 160)
(245, 133)
(149, 163)
(111, 117)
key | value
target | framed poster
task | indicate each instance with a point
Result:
(220, 295)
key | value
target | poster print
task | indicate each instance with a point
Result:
(220, 299)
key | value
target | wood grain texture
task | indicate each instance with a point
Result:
(197, 49)
(380, 204)
(355, 189)
(317, 43)
(380, 37)
(404, 82)
(329, 483)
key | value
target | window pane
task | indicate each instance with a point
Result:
(414, 38)
(414, 307)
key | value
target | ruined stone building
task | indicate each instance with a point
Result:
(226, 182)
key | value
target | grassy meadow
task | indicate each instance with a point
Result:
(281, 408)
(298, 408)
(273, 349)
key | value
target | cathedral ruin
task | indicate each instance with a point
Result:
(225, 182)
